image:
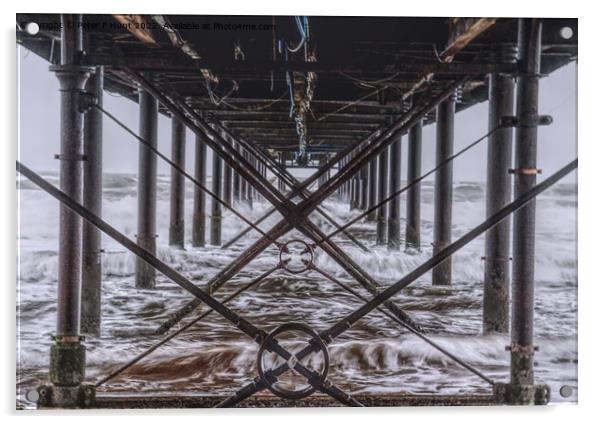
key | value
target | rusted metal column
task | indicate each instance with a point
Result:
(521, 388)
(363, 205)
(372, 181)
(443, 190)
(198, 208)
(227, 178)
(381, 214)
(178, 156)
(496, 297)
(216, 208)
(91, 236)
(413, 196)
(67, 354)
(147, 189)
(393, 229)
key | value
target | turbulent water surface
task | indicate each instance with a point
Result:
(375, 356)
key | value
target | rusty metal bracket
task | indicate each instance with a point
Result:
(315, 379)
(86, 101)
(526, 122)
(525, 171)
(76, 157)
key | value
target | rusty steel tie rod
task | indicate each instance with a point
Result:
(347, 322)
(256, 334)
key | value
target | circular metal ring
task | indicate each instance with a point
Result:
(305, 264)
(269, 380)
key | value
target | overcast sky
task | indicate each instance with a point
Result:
(39, 111)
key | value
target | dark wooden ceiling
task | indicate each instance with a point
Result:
(365, 67)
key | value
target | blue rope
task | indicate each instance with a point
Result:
(302, 33)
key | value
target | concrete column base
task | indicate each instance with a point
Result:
(53, 396)
(528, 394)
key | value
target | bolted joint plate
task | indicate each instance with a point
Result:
(67, 363)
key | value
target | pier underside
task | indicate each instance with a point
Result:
(339, 102)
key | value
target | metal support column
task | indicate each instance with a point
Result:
(357, 192)
(443, 190)
(250, 189)
(198, 208)
(372, 183)
(394, 224)
(496, 284)
(67, 354)
(178, 156)
(521, 389)
(363, 205)
(216, 208)
(381, 215)
(235, 185)
(281, 186)
(228, 173)
(147, 189)
(244, 190)
(92, 194)
(413, 196)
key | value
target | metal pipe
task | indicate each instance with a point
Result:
(523, 249)
(178, 156)
(198, 212)
(496, 296)
(243, 182)
(393, 228)
(227, 178)
(413, 196)
(363, 204)
(216, 208)
(357, 191)
(147, 189)
(250, 190)
(67, 354)
(92, 198)
(443, 191)
(381, 214)
(235, 186)
(372, 181)
(281, 185)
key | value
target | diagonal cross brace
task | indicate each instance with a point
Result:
(294, 215)
(347, 322)
(239, 322)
